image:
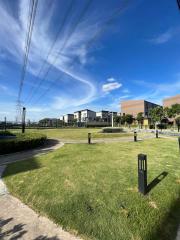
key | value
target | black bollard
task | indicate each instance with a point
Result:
(157, 134)
(142, 173)
(135, 136)
(89, 138)
(179, 143)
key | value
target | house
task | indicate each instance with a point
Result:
(168, 102)
(134, 107)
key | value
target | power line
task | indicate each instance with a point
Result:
(178, 2)
(89, 43)
(27, 45)
(64, 44)
(29, 97)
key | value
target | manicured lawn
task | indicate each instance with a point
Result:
(91, 190)
(78, 133)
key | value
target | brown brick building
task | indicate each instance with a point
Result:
(168, 102)
(136, 106)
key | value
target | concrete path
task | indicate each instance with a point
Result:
(18, 221)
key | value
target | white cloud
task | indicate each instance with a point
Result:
(165, 36)
(108, 87)
(111, 79)
(3, 88)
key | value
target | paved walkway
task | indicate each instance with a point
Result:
(18, 221)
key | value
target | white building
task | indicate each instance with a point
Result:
(68, 118)
(85, 115)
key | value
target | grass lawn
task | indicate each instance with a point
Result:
(91, 190)
(77, 133)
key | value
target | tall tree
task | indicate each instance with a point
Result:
(140, 119)
(129, 119)
(156, 114)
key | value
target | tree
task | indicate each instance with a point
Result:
(140, 119)
(129, 119)
(117, 120)
(168, 112)
(175, 109)
(156, 114)
(178, 122)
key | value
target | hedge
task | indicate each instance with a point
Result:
(22, 142)
(6, 133)
(112, 130)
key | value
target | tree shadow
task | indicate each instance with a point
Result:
(17, 231)
(21, 166)
(156, 181)
(168, 228)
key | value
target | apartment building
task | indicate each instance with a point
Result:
(88, 115)
(77, 116)
(168, 102)
(68, 118)
(133, 107)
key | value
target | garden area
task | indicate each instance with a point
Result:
(15, 141)
(91, 190)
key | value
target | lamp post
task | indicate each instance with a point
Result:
(23, 119)
(112, 120)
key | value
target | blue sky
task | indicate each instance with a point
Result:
(107, 51)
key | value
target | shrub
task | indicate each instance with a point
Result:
(162, 126)
(6, 133)
(112, 130)
(22, 142)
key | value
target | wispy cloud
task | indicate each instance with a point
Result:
(165, 36)
(110, 85)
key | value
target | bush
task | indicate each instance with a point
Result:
(22, 142)
(112, 130)
(162, 126)
(6, 133)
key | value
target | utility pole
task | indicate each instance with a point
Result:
(5, 127)
(23, 119)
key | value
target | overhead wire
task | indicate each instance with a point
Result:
(76, 23)
(29, 97)
(89, 43)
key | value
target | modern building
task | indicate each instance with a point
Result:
(88, 115)
(77, 116)
(134, 107)
(68, 118)
(168, 102)
(103, 116)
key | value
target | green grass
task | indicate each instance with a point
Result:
(91, 190)
(77, 133)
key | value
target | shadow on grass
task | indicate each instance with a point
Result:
(156, 181)
(27, 154)
(21, 166)
(168, 228)
(9, 230)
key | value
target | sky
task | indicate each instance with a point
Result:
(87, 54)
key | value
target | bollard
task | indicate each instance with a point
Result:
(179, 143)
(135, 136)
(142, 173)
(157, 134)
(89, 138)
